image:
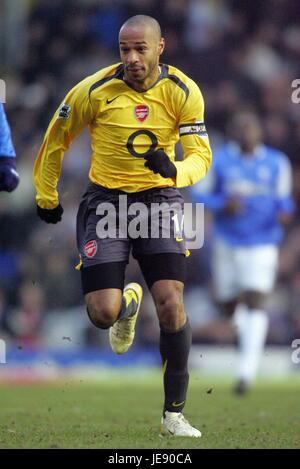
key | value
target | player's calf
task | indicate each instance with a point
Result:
(169, 305)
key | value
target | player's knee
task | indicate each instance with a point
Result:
(227, 308)
(171, 312)
(101, 315)
(254, 299)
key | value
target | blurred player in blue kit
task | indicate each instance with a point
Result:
(9, 178)
(248, 190)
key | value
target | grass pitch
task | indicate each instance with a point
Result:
(124, 412)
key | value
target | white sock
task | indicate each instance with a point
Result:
(252, 337)
(240, 321)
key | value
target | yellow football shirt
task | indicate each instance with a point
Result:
(124, 125)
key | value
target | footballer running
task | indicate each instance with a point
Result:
(136, 111)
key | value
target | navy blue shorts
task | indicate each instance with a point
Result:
(117, 245)
(111, 224)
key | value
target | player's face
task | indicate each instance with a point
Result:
(247, 131)
(140, 50)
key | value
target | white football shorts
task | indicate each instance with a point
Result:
(238, 269)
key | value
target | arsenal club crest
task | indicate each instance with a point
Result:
(90, 248)
(141, 112)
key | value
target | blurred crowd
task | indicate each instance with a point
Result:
(242, 55)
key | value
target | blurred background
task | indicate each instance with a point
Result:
(241, 54)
